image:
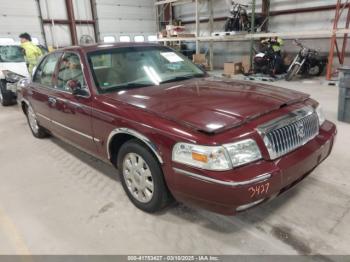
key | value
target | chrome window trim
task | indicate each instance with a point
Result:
(54, 87)
(257, 179)
(128, 131)
(82, 69)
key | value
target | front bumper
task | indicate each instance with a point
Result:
(247, 186)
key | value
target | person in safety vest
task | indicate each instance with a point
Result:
(32, 53)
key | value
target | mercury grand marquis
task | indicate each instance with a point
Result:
(174, 132)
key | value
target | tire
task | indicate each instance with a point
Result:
(319, 70)
(6, 97)
(37, 130)
(232, 25)
(228, 25)
(292, 72)
(144, 185)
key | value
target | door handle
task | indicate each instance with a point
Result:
(52, 101)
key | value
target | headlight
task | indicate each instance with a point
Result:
(205, 157)
(320, 114)
(217, 158)
(243, 152)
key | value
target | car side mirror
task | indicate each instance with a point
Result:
(75, 86)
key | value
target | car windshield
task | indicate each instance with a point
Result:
(133, 67)
(11, 54)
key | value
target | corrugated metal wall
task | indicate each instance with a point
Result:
(59, 35)
(17, 16)
(115, 18)
(233, 51)
(124, 17)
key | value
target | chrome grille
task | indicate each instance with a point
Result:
(290, 132)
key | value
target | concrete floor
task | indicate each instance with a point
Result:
(55, 199)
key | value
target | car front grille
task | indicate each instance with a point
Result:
(290, 132)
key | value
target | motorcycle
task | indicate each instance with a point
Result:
(308, 62)
(267, 61)
(240, 20)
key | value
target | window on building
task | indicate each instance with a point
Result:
(125, 38)
(109, 39)
(152, 38)
(139, 38)
(35, 40)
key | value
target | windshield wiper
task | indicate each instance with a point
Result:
(180, 78)
(129, 86)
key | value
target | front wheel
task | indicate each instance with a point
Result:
(6, 97)
(292, 72)
(142, 177)
(36, 129)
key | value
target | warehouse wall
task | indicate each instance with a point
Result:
(115, 18)
(126, 18)
(283, 23)
(59, 35)
(17, 16)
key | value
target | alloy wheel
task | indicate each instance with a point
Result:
(138, 177)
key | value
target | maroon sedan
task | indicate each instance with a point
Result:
(175, 132)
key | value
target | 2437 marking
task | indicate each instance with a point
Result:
(259, 190)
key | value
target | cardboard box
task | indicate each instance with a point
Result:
(200, 59)
(233, 68)
(246, 64)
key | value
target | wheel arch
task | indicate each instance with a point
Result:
(119, 136)
(24, 106)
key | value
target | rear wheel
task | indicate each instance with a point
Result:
(292, 72)
(142, 177)
(6, 97)
(37, 130)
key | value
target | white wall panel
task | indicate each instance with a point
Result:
(125, 17)
(82, 9)
(53, 9)
(18, 16)
(58, 35)
(85, 30)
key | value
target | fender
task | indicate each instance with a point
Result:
(128, 131)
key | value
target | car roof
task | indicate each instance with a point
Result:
(105, 46)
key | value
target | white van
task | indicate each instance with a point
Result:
(12, 68)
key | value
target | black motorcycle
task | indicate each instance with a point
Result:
(240, 20)
(267, 61)
(308, 62)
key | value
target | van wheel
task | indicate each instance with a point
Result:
(6, 97)
(142, 177)
(37, 130)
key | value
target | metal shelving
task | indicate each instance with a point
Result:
(314, 34)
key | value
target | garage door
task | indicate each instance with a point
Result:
(126, 19)
(17, 16)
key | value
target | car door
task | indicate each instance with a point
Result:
(40, 88)
(71, 114)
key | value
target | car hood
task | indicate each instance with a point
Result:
(18, 68)
(210, 105)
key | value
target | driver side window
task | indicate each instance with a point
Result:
(70, 69)
(46, 69)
